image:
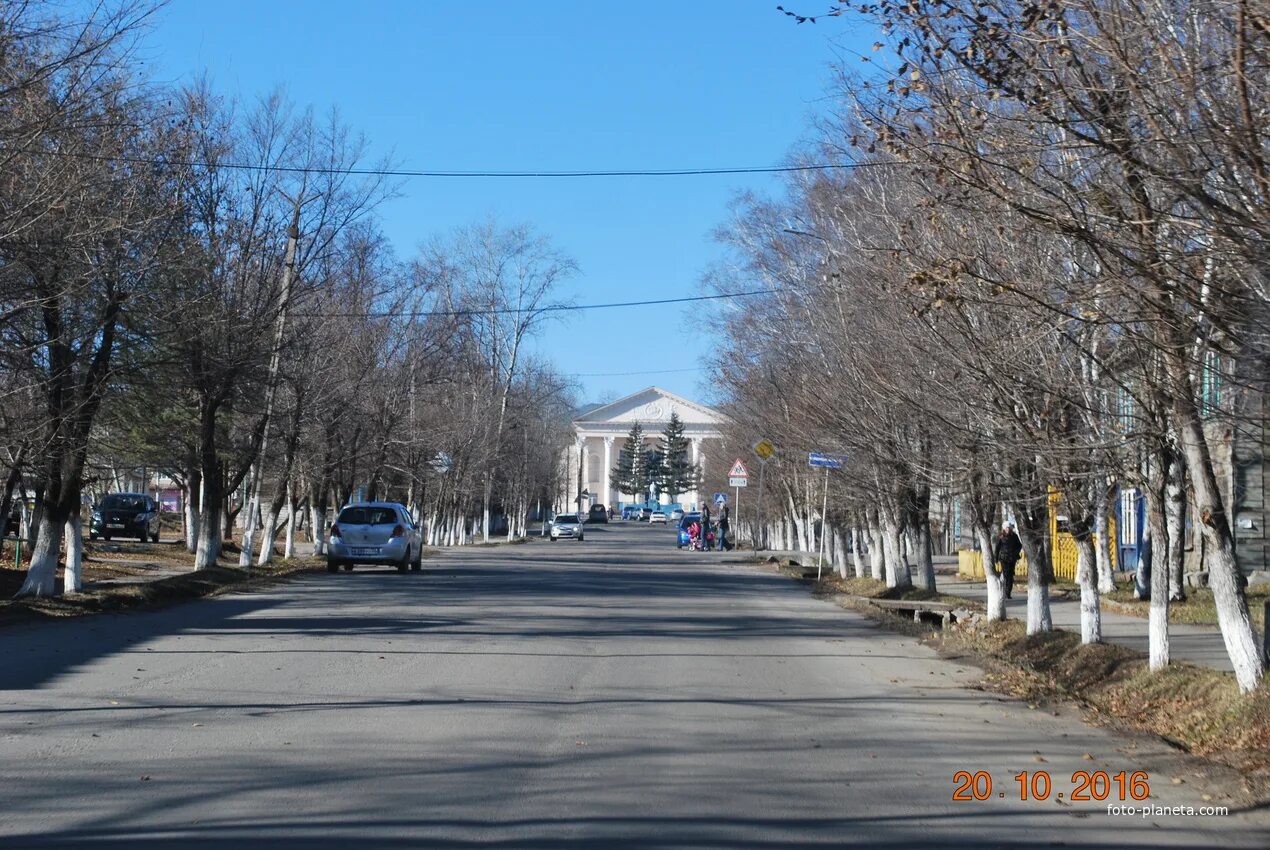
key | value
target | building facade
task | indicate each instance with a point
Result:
(600, 433)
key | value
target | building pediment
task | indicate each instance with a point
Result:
(652, 408)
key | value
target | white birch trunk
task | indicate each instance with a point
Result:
(73, 577)
(1090, 605)
(1102, 541)
(1158, 613)
(41, 576)
(1175, 528)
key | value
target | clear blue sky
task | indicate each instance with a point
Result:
(553, 84)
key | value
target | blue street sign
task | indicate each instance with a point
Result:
(819, 459)
(720, 499)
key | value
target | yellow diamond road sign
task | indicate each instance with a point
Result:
(764, 450)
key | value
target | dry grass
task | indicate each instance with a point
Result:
(1198, 608)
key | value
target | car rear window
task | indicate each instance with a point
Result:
(368, 516)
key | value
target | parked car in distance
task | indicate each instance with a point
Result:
(598, 513)
(630, 512)
(374, 533)
(677, 514)
(125, 515)
(657, 516)
(566, 526)
(645, 513)
(685, 521)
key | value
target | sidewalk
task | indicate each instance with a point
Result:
(1201, 645)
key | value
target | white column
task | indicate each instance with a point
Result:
(608, 469)
(586, 470)
(696, 461)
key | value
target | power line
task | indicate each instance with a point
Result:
(478, 173)
(550, 308)
(639, 372)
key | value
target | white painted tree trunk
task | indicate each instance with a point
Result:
(41, 576)
(1223, 569)
(896, 570)
(839, 556)
(877, 557)
(266, 537)
(317, 523)
(1087, 578)
(924, 552)
(209, 535)
(73, 576)
(191, 521)
(992, 578)
(1158, 613)
(288, 548)
(856, 561)
(1102, 540)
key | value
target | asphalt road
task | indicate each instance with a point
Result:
(610, 693)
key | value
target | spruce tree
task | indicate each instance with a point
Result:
(677, 474)
(630, 474)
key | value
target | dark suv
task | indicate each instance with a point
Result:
(598, 513)
(126, 515)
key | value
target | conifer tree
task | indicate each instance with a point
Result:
(630, 474)
(676, 474)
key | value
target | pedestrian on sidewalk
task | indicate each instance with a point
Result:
(1006, 553)
(705, 527)
(724, 523)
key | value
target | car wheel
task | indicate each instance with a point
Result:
(405, 562)
(106, 537)
(332, 565)
(155, 538)
(417, 564)
(348, 566)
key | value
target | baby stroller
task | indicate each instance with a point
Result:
(694, 537)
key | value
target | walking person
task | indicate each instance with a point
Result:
(1006, 553)
(723, 527)
(705, 527)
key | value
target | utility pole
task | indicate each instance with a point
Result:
(271, 388)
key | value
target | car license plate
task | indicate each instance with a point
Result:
(114, 525)
(365, 552)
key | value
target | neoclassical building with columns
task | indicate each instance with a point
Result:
(600, 432)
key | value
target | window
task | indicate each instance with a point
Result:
(1125, 409)
(1210, 384)
(368, 516)
(1129, 517)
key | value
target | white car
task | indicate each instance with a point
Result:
(677, 514)
(374, 533)
(658, 516)
(566, 525)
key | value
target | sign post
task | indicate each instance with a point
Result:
(738, 477)
(764, 451)
(828, 462)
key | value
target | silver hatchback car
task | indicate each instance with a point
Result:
(375, 533)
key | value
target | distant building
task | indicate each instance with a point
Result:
(600, 432)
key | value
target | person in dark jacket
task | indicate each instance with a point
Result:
(724, 523)
(1006, 553)
(706, 528)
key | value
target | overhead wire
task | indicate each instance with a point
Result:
(550, 308)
